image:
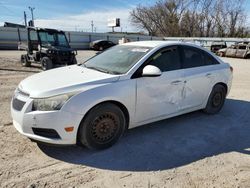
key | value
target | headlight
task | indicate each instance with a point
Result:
(50, 104)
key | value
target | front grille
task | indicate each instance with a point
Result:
(48, 133)
(18, 104)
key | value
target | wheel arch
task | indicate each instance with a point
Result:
(223, 84)
(247, 55)
(117, 103)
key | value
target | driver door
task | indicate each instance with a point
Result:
(162, 95)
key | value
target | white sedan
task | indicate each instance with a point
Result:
(126, 86)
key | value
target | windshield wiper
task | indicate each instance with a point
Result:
(101, 70)
(98, 69)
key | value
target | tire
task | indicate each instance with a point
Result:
(24, 61)
(247, 56)
(216, 99)
(221, 54)
(74, 61)
(102, 127)
(46, 63)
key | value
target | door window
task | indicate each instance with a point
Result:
(192, 57)
(33, 35)
(167, 60)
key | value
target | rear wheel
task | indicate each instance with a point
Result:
(216, 99)
(102, 127)
(46, 63)
(248, 56)
(24, 61)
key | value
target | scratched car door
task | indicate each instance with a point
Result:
(162, 95)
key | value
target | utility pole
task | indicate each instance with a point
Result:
(32, 15)
(25, 18)
(92, 26)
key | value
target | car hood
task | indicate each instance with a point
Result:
(64, 80)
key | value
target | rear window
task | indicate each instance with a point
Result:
(209, 60)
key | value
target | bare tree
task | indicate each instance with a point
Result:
(191, 18)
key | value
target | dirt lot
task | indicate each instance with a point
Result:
(193, 150)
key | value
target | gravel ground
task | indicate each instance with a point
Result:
(192, 150)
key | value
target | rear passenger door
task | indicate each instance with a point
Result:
(198, 76)
(241, 51)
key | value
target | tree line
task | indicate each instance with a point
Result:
(192, 18)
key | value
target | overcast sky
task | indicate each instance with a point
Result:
(74, 14)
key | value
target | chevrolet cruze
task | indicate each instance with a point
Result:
(126, 86)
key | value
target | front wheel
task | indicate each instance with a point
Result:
(102, 127)
(221, 54)
(216, 100)
(74, 61)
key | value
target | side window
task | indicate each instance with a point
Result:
(33, 35)
(242, 47)
(167, 60)
(209, 60)
(192, 57)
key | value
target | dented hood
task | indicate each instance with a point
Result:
(64, 80)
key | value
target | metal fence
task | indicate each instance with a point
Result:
(9, 38)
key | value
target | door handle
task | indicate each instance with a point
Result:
(176, 82)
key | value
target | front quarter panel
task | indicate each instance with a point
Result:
(121, 91)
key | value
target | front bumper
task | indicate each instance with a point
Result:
(26, 121)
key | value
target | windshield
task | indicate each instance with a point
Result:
(117, 60)
(52, 39)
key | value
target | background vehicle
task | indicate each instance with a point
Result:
(49, 47)
(124, 87)
(240, 50)
(101, 45)
(217, 45)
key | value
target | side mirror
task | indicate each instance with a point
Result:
(151, 71)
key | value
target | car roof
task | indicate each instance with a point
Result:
(156, 43)
(152, 43)
(101, 40)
